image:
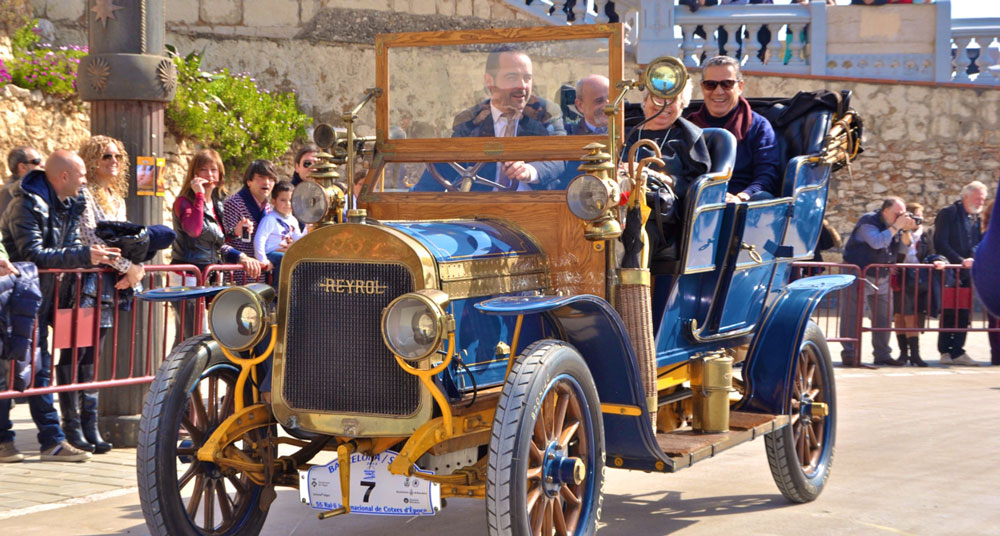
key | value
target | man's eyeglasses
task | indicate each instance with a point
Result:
(710, 85)
(660, 102)
(34, 161)
(307, 163)
(109, 156)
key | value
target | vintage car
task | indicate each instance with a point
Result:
(468, 339)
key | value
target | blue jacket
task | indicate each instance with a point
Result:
(858, 251)
(20, 300)
(757, 163)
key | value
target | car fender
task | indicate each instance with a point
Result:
(774, 347)
(592, 326)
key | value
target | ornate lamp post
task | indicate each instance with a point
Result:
(128, 82)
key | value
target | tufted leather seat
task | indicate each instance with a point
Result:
(803, 135)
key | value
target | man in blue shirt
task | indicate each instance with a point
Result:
(874, 240)
(755, 175)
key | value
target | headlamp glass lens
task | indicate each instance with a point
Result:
(411, 328)
(587, 197)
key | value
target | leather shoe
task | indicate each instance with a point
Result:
(889, 362)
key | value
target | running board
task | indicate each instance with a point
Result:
(685, 447)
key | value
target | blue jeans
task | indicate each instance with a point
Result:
(43, 412)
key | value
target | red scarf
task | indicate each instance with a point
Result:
(738, 123)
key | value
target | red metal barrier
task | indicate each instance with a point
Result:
(943, 289)
(227, 274)
(75, 328)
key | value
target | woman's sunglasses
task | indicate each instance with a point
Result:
(710, 85)
(109, 156)
(307, 163)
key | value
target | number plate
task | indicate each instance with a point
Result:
(374, 490)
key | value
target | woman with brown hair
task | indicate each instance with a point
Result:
(198, 223)
(107, 186)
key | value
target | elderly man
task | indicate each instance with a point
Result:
(591, 98)
(875, 240)
(40, 226)
(510, 111)
(756, 171)
(957, 232)
(20, 160)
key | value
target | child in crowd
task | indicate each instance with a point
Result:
(278, 229)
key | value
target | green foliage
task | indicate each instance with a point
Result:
(230, 114)
(43, 66)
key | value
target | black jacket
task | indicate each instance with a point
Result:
(20, 299)
(40, 228)
(205, 248)
(954, 240)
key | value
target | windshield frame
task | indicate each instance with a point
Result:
(490, 149)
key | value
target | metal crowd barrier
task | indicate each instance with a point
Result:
(73, 327)
(941, 295)
(127, 357)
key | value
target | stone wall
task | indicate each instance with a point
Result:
(32, 118)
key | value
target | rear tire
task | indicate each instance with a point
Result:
(192, 394)
(801, 454)
(548, 432)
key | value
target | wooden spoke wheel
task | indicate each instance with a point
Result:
(546, 463)
(801, 454)
(193, 393)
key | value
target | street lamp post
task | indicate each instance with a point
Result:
(128, 81)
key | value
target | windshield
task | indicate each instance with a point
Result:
(497, 109)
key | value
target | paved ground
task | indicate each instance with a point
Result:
(915, 456)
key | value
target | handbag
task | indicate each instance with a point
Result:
(131, 238)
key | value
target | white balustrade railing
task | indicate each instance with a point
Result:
(976, 38)
(784, 39)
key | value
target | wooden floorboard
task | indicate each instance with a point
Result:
(684, 442)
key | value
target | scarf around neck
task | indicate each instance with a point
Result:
(737, 121)
(253, 207)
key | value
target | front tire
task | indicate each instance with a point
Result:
(546, 460)
(801, 454)
(192, 394)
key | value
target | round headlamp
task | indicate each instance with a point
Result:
(238, 317)
(589, 197)
(665, 77)
(311, 202)
(414, 324)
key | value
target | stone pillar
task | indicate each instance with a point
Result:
(128, 81)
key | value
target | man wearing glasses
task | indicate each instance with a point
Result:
(755, 175)
(20, 161)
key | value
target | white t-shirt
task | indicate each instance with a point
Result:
(273, 228)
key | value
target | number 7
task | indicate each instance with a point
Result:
(370, 486)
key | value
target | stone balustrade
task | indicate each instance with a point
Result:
(979, 64)
(907, 42)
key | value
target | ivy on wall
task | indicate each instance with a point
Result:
(230, 114)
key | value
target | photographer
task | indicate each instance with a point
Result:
(876, 239)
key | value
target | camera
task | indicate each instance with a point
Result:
(917, 220)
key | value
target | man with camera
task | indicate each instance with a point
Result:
(876, 239)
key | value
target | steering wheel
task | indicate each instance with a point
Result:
(467, 176)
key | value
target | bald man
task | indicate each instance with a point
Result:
(591, 98)
(40, 226)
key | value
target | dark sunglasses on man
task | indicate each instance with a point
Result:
(710, 85)
(34, 161)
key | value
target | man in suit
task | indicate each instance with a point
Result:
(591, 98)
(510, 111)
(957, 232)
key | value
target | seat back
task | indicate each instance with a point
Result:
(706, 202)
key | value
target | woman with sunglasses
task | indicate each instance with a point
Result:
(104, 195)
(755, 175)
(304, 160)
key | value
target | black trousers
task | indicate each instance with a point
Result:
(953, 342)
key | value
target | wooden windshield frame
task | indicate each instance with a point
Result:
(490, 149)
